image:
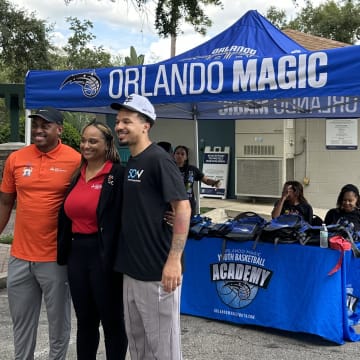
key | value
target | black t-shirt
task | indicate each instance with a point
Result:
(304, 209)
(191, 174)
(152, 181)
(333, 215)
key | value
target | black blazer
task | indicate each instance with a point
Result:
(108, 214)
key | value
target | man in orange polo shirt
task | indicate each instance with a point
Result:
(37, 177)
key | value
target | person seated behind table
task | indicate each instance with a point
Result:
(347, 207)
(293, 201)
(190, 174)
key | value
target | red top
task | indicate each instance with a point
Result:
(82, 201)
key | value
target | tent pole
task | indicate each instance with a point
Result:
(307, 176)
(196, 135)
(196, 147)
(27, 127)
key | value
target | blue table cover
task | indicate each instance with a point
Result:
(284, 286)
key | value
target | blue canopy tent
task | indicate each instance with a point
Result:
(251, 70)
(251, 35)
(316, 84)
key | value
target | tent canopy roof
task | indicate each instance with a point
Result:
(251, 70)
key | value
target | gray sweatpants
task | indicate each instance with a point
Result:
(27, 283)
(152, 320)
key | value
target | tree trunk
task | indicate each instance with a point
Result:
(172, 45)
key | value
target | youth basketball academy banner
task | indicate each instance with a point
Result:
(285, 286)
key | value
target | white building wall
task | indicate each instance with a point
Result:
(327, 170)
(176, 132)
(322, 172)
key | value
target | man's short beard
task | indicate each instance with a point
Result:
(122, 143)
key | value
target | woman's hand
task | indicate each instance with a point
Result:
(286, 192)
(169, 217)
(216, 183)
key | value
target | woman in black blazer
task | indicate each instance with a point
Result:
(89, 224)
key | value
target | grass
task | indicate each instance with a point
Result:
(204, 210)
(6, 239)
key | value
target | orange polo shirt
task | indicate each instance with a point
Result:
(40, 181)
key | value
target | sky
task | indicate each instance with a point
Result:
(117, 25)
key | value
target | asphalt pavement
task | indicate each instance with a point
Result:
(205, 339)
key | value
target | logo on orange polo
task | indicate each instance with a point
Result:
(27, 171)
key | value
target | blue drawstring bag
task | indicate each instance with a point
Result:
(243, 227)
(246, 226)
(199, 226)
(285, 229)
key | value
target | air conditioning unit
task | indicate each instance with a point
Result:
(265, 158)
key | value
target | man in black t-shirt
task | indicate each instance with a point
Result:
(150, 250)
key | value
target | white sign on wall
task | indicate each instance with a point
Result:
(216, 166)
(341, 134)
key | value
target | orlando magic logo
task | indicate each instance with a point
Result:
(236, 294)
(226, 52)
(237, 284)
(89, 82)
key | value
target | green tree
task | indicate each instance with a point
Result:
(71, 135)
(277, 17)
(169, 15)
(333, 20)
(24, 43)
(78, 119)
(79, 54)
(338, 21)
(58, 59)
(117, 60)
(134, 59)
(4, 133)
